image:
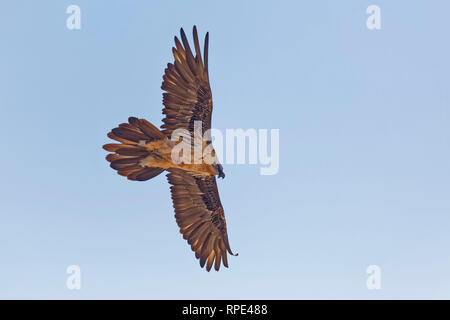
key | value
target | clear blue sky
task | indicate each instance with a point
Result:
(364, 158)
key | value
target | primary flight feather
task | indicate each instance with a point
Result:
(144, 151)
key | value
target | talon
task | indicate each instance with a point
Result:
(220, 170)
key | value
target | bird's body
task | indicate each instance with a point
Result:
(159, 154)
(164, 159)
(144, 151)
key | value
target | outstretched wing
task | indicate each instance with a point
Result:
(188, 94)
(200, 216)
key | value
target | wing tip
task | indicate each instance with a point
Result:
(183, 35)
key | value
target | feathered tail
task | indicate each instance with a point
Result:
(128, 154)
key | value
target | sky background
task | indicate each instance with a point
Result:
(364, 149)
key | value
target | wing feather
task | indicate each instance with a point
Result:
(187, 97)
(200, 216)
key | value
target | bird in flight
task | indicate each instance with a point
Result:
(144, 151)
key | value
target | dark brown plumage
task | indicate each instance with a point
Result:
(200, 216)
(144, 152)
(188, 95)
